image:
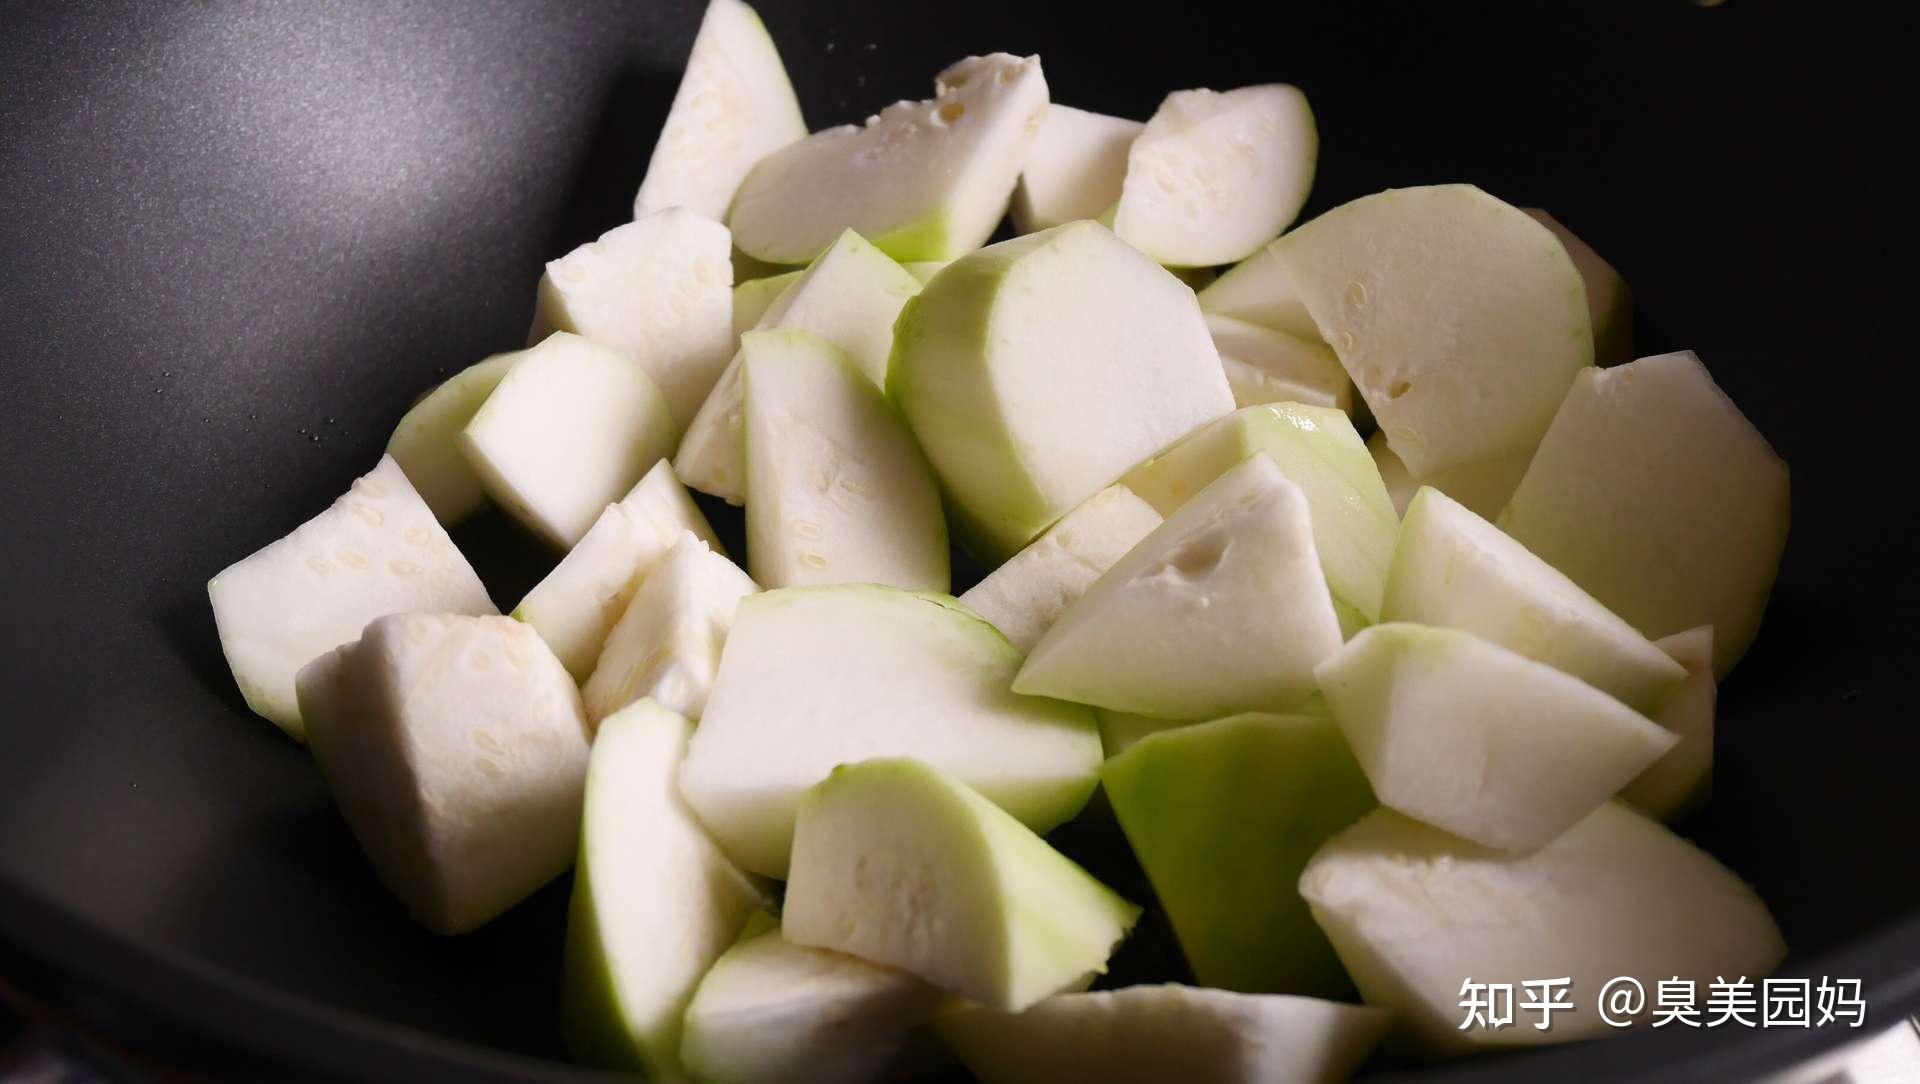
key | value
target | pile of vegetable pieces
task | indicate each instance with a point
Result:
(1376, 716)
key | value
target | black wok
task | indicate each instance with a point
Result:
(237, 239)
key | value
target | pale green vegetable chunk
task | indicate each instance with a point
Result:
(659, 291)
(924, 270)
(1154, 1034)
(1680, 782)
(1222, 608)
(456, 750)
(1036, 371)
(1223, 817)
(1393, 474)
(1415, 912)
(666, 646)
(902, 865)
(1122, 730)
(837, 491)
(426, 443)
(1382, 273)
(1258, 291)
(571, 428)
(734, 106)
(1354, 524)
(1268, 366)
(1214, 175)
(813, 677)
(378, 550)
(576, 605)
(1609, 302)
(752, 299)
(1487, 744)
(924, 180)
(654, 902)
(1482, 487)
(773, 1010)
(849, 296)
(1025, 596)
(1075, 170)
(1454, 569)
(1656, 494)
(747, 269)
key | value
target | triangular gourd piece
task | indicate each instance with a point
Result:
(901, 865)
(1223, 608)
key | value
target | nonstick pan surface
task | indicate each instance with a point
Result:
(237, 239)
